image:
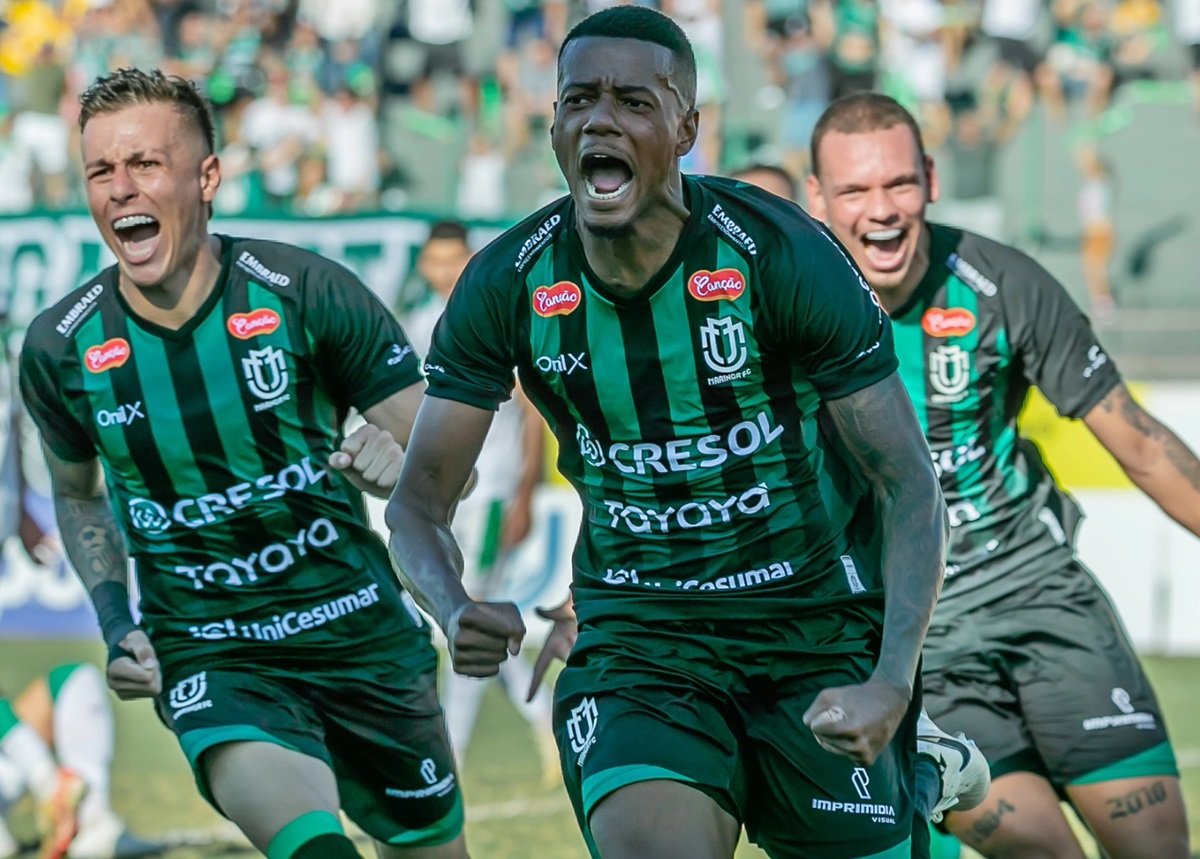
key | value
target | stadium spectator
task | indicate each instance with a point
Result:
(495, 518)
(1098, 233)
(39, 126)
(350, 139)
(851, 30)
(310, 685)
(1187, 29)
(56, 743)
(279, 132)
(1025, 650)
(665, 747)
(16, 169)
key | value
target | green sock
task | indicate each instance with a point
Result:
(294, 838)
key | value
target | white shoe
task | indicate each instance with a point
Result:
(963, 769)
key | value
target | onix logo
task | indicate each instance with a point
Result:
(429, 771)
(148, 516)
(581, 728)
(724, 342)
(122, 415)
(266, 372)
(949, 372)
(860, 778)
(589, 447)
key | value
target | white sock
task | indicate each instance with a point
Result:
(28, 753)
(461, 699)
(83, 736)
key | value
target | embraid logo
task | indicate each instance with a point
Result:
(953, 322)
(243, 326)
(558, 300)
(108, 355)
(724, 284)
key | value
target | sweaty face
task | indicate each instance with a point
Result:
(149, 182)
(871, 190)
(620, 124)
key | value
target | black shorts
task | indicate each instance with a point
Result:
(718, 706)
(375, 722)
(1045, 680)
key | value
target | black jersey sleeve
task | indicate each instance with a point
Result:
(471, 358)
(828, 319)
(1059, 352)
(40, 386)
(359, 347)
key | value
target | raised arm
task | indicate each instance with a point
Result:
(1155, 459)
(879, 429)
(96, 548)
(446, 441)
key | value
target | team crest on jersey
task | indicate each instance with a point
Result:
(948, 322)
(723, 342)
(266, 376)
(724, 284)
(558, 300)
(949, 373)
(243, 326)
(107, 356)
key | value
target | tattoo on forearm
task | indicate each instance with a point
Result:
(986, 826)
(1176, 452)
(92, 540)
(1140, 799)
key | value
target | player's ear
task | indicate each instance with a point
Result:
(689, 130)
(931, 179)
(816, 201)
(210, 178)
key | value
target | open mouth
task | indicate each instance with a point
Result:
(606, 177)
(887, 241)
(138, 236)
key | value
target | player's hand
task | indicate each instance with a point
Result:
(481, 635)
(371, 460)
(859, 721)
(558, 643)
(137, 676)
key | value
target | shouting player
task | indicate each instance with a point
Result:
(1025, 651)
(762, 536)
(203, 380)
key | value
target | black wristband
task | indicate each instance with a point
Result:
(112, 610)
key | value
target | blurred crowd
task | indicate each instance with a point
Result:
(442, 106)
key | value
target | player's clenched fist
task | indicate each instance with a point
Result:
(138, 674)
(371, 459)
(857, 721)
(481, 635)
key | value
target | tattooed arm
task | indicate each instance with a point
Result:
(878, 427)
(97, 551)
(89, 533)
(1155, 459)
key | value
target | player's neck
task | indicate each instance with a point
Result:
(626, 263)
(178, 298)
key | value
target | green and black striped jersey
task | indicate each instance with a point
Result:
(985, 324)
(214, 440)
(687, 413)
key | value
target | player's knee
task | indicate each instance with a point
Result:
(315, 835)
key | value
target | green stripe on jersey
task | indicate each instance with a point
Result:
(164, 414)
(910, 340)
(102, 397)
(224, 384)
(963, 428)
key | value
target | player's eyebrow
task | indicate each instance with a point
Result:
(133, 156)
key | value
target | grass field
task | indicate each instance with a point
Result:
(511, 813)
